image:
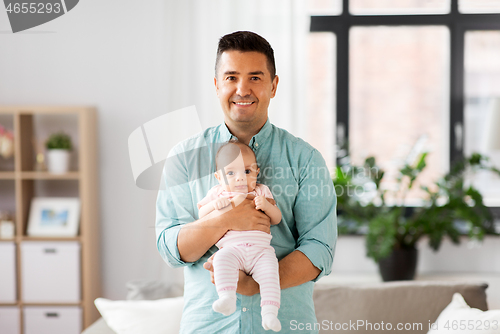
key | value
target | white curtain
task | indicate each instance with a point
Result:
(192, 31)
(193, 28)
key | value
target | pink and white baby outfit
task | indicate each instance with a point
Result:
(249, 251)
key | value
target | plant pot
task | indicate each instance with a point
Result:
(58, 161)
(400, 265)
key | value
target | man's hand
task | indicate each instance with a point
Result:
(246, 284)
(244, 217)
(221, 203)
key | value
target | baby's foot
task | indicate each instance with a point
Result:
(270, 321)
(225, 305)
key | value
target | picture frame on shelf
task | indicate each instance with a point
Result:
(54, 217)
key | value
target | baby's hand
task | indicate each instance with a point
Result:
(221, 203)
(261, 203)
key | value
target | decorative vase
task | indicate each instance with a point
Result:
(58, 161)
(400, 265)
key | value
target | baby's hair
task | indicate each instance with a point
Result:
(233, 141)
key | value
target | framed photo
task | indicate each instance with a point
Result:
(54, 217)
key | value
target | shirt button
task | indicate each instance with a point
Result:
(244, 309)
(256, 144)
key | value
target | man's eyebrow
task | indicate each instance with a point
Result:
(250, 73)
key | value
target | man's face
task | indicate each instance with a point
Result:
(244, 88)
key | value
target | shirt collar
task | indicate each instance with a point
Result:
(256, 141)
(261, 137)
(225, 134)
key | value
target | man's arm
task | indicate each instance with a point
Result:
(196, 238)
(296, 269)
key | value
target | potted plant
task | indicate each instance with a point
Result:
(451, 208)
(58, 153)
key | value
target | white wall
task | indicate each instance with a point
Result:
(468, 257)
(109, 54)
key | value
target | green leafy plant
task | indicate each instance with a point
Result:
(451, 208)
(59, 140)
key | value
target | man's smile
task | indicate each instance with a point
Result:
(243, 104)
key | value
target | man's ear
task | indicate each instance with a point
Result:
(216, 88)
(275, 86)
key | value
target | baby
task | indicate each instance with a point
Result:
(249, 251)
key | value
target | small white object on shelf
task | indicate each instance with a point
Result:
(6, 143)
(59, 146)
(7, 230)
(58, 161)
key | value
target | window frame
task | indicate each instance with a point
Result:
(457, 23)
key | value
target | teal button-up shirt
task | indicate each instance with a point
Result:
(302, 187)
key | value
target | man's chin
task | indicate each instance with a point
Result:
(244, 116)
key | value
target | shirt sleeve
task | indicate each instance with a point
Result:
(174, 207)
(315, 214)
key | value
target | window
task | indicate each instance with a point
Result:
(479, 6)
(482, 107)
(398, 99)
(394, 7)
(325, 7)
(321, 95)
(420, 71)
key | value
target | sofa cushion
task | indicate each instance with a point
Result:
(460, 318)
(152, 290)
(98, 327)
(161, 316)
(353, 308)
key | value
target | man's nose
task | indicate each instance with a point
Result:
(243, 88)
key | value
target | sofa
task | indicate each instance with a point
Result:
(357, 308)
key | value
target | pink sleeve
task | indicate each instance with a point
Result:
(211, 195)
(263, 190)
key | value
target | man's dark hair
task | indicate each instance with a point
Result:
(246, 41)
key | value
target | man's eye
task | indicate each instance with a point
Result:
(255, 78)
(231, 78)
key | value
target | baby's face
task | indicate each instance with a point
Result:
(240, 175)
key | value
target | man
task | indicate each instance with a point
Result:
(304, 241)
